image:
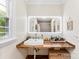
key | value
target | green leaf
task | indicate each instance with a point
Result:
(2, 21)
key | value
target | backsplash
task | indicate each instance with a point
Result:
(45, 34)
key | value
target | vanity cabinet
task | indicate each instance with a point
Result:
(59, 54)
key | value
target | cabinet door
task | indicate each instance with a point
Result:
(60, 56)
(55, 56)
(66, 56)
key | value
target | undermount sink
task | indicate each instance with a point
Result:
(33, 42)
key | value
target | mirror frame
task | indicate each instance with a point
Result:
(29, 17)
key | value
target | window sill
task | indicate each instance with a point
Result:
(7, 42)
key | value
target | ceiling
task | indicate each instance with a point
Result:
(46, 1)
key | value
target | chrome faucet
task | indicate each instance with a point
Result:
(36, 35)
(41, 35)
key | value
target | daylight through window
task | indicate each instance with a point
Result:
(4, 20)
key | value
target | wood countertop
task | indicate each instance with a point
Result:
(48, 44)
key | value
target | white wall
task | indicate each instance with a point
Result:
(45, 10)
(18, 18)
(71, 9)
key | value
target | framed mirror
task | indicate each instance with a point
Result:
(45, 24)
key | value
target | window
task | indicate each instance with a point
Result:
(4, 20)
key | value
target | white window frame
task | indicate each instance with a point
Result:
(5, 36)
(10, 38)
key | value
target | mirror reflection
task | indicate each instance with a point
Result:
(45, 24)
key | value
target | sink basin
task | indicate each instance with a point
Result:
(34, 42)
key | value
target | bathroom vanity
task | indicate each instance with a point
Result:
(46, 33)
(49, 44)
(56, 49)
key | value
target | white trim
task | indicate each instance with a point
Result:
(46, 32)
(6, 42)
(46, 2)
(3, 32)
(4, 27)
(9, 39)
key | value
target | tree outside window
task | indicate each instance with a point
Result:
(4, 20)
